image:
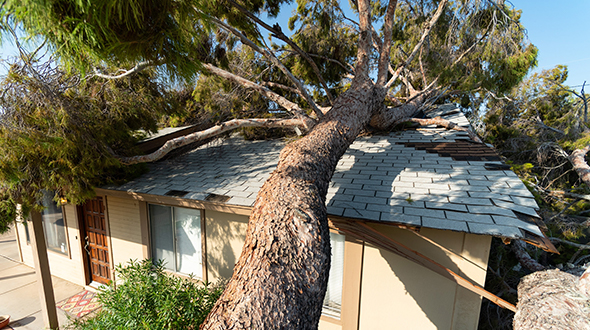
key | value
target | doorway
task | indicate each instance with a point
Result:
(95, 241)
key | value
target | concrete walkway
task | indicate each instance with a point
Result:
(19, 293)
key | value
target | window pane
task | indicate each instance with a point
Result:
(162, 235)
(188, 241)
(53, 224)
(333, 298)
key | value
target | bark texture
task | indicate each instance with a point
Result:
(210, 132)
(554, 300)
(280, 278)
(525, 260)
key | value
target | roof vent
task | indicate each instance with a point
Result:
(217, 198)
(176, 193)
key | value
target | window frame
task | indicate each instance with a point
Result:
(44, 217)
(151, 246)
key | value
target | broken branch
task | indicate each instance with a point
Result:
(210, 132)
(425, 34)
(446, 124)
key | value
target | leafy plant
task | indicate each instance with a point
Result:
(147, 297)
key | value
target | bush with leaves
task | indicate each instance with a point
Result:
(147, 297)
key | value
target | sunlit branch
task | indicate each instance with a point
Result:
(137, 68)
(280, 35)
(211, 132)
(425, 34)
(290, 106)
(386, 46)
(270, 56)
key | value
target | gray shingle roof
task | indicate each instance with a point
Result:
(377, 179)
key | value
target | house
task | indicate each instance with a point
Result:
(405, 208)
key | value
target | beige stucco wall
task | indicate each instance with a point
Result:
(225, 237)
(399, 294)
(69, 267)
(125, 229)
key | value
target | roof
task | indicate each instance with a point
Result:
(429, 177)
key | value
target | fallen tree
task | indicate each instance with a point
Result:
(280, 278)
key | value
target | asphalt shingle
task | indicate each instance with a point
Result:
(380, 178)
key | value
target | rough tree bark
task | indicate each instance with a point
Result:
(553, 299)
(281, 276)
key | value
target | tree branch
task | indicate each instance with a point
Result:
(425, 34)
(280, 35)
(386, 46)
(138, 67)
(578, 160)
(446, 124)
(269, 55)
(210, 132)
(579, 246)
(292, 107)
(364, 44)
(524, 258)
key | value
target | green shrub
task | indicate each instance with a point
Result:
(147, 297)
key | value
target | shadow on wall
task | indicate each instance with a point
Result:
(396, 290)
(225, 238)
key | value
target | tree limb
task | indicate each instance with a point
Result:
(446, 124)
(292, 107)
(524, 258)
(210, 132)
(386, 46)
(425, 34)
(270, 56)
(578, 160)
(280, 35)
(365, 39)
(137, 68)
(281, 86)
(579, 246)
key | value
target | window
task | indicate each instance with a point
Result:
(53, 224)
(176, 238)
(333, 298)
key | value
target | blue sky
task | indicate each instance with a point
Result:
(557, 28)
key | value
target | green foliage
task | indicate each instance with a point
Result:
(147, 297)
(59, 133)
(7, 214)
(174, 33)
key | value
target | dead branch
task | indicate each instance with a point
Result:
(280, 35)
(425, 34)
(565, 209)
(525, 260)
(210, 132)
(446, 124)
(579, 246)
(578, 160)
(506, 286)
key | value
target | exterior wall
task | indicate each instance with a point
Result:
(70, 266)
(399, 294)
(381, 289)
(225, 235)
(125, 224)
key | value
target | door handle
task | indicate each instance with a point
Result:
(86, 245)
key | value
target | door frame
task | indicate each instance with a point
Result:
(83, 234)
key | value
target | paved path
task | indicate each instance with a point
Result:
(19, 294)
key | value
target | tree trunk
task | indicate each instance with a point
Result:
(280, 279)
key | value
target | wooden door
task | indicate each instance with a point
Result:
(96, 244)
